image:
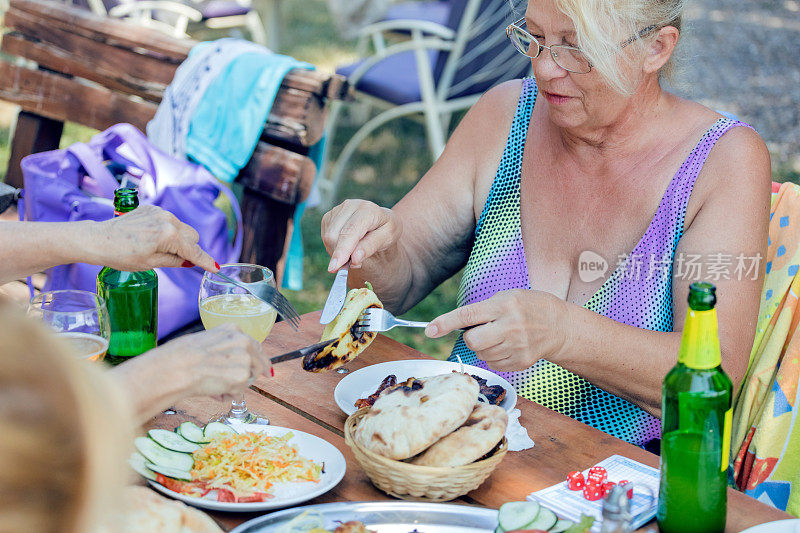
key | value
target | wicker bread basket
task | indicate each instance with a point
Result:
(420, 483)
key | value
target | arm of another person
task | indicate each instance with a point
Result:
(220, 361)
(145, 238)
(516, 328)
(406, 251)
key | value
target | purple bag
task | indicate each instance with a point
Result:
(76, 184)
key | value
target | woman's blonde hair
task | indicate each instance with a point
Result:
(603, 25)
(64, 432)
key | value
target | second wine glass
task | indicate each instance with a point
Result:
(79, 317)
(222, 302)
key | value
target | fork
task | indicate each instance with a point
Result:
(271, 296)
(374, 319)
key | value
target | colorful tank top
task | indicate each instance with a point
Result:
(631, 295)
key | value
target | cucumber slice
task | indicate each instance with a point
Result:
(137, 462)
(544, 520)
(499, 529)
(215, 429)
(174, 473)
(561, 526)
(517, 515)
(157, 454)
(172, 441)
(192, 432)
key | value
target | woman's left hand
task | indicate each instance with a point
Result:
(510, 330)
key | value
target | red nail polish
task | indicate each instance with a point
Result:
(272, 372)
(187, 264)
(216, 265)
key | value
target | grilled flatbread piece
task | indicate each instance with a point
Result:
(349, 345)
(144, 511)
(406, 420)
(481, 432)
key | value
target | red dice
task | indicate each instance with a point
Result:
(607, 486)
(630, 490)
(592, 492)
(575, 480)
(597, 475)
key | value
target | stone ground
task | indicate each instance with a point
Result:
(743, 56)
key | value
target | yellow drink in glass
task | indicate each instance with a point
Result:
(255, 317)
(86, 345)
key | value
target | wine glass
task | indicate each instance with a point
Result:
(80, 317)
(222, 302)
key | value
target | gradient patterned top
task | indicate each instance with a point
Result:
(638, 292)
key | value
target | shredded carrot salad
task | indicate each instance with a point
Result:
(250, 464)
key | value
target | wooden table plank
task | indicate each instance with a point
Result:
(562, 444)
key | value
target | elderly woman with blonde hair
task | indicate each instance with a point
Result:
(66, 431)
(575, 201)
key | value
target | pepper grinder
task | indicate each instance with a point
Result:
(617, 511)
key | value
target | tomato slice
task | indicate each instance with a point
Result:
(182, 487)
(224, 495)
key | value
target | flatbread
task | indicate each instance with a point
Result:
(349, 346)
(481, 432)
(406, 420)
(144, 511)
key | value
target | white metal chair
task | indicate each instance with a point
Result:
(180, 19)
(440, 69)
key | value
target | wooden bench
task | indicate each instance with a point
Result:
(99, 71)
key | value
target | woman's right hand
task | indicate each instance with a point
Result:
(220, 361)
(356, 230)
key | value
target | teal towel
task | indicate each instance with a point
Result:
(228, 121)
(293, 275)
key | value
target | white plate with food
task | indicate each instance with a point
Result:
(779, 526)
(364, 383)
(253, 468)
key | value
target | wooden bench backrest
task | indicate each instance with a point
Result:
(99, 71)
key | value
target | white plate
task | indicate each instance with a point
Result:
(779, 526)
(365, 381)
(285, 494)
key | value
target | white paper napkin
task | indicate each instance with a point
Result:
(517, 435)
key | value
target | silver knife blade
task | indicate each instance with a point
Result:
(336, 296)
(301, 352)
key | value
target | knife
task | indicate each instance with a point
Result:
(301, 352)
(336, 297)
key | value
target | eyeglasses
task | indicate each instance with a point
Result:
(567, 57)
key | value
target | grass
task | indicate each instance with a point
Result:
(384, 168)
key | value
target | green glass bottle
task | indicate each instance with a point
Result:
(695, 426)
(131, 298)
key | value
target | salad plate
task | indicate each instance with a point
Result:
(365, 381)
(282, 494)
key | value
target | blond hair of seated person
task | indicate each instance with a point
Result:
(65, 433)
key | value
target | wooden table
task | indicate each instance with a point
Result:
(303, 401)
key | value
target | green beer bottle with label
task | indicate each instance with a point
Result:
(695, 426)
(131, 298)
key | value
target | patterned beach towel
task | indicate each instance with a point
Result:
(766, 437)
